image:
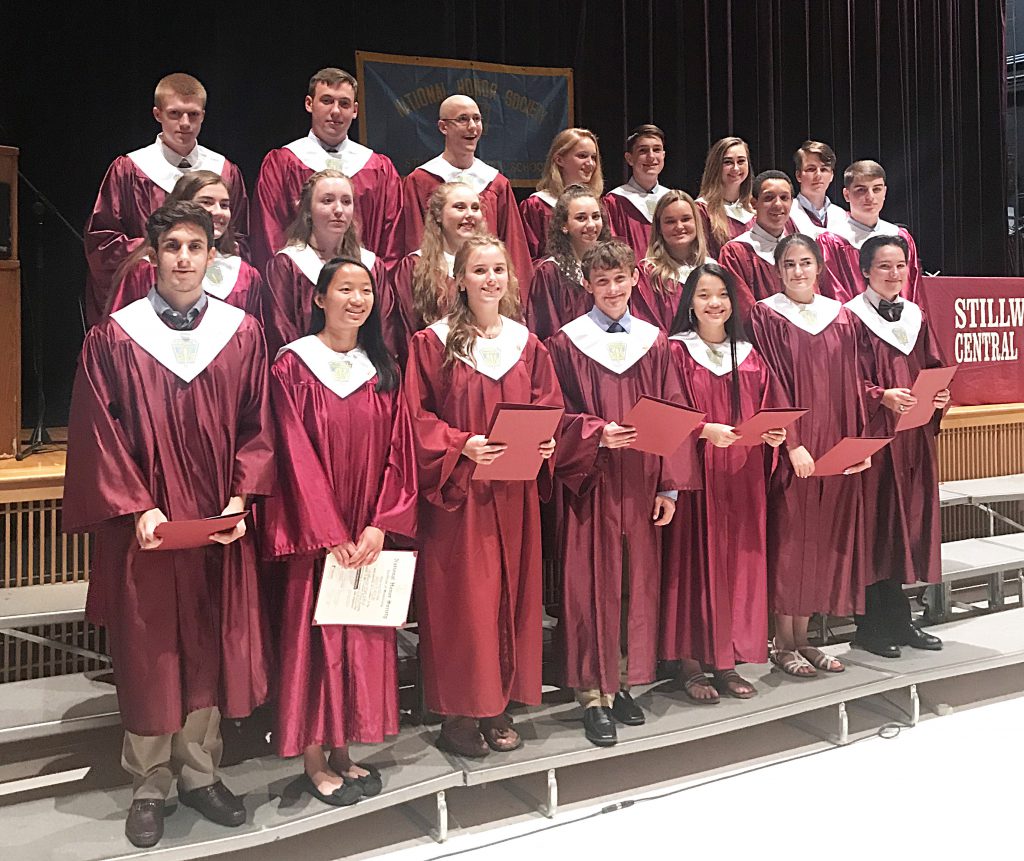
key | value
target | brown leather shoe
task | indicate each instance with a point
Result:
(461, 736)
(145, 823)
(217, 803)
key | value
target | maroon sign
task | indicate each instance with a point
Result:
(980, 324)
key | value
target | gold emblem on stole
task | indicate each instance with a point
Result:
(807, 314)
(491, 356)
(341, 371)
(652, 204)
(716, 357)
(901, 335)
(214, 273)
(617, 351)
(185, 349)
(333, 164)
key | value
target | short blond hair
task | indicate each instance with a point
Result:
(180, 84)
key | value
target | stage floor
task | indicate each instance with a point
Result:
(68, 825)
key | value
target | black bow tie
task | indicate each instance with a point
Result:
(890, 311)
(332, 151)
(184, 164)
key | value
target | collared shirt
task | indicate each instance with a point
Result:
(861, 225)
(331, 148)
(626, 321)
(658, 188)
(811, 208)
(764, 238)
(166, 312)
(604, 321)
(874, 297)
(174, 158)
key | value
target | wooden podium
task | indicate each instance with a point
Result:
(10, 317)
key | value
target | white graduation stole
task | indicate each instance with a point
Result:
(477, 176)
(492, 357)
(616, 351)
(856, 234)
(310, 264)
(545, 196)
(717, 358)
(222, 275)
(738, 212)
(342, 373)
(814, 317)
(350, 158)
(763, 243)
(902, 334)
(150, 160)
(645, 202)
(187, 353)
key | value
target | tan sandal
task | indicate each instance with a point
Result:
(792, 663)
(821, 660)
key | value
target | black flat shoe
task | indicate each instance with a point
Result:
(880, 646)
(371, 784)
(917, 639)
(626, 711)
(344, 796)
(599, 727)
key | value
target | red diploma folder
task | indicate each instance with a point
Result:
(522, 427)
(849, 451)
(183, 534)
(661, 426)
(928, 384)
(762, 421)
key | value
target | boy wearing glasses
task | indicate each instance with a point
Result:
(460, 122)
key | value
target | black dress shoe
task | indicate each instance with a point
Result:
(145, 823)
(626, 711)
(599, 727)
(217, 803)
(881, 646)
(917, 639)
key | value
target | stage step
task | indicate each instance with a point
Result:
(981, 491)
(978, 559)
(52, 604)
(54, 705)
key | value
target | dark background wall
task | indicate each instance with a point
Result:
(918, 85)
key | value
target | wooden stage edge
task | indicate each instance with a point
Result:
(45, 471)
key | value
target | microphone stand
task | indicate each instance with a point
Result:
(40, 437)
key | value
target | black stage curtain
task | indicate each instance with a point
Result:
(917, 84)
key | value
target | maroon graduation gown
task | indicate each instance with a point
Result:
(816, 552)
(655, 306)
(536, 212)
(378, 193)
(499, 206)
(714, 561)
(842, 259)
(288, 296)
(607, 498)
(554, 300)
(627, 223)
(736, 227)
(901, 490)
(245, 294)
(478, 575)
(185, 627)
(350, 465)
(117, 224)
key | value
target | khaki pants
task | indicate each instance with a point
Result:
(588, 697)
(193, 752)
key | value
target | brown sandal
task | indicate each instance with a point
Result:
(699, 680)
(499, 735)
(461, 736)
(732, 683)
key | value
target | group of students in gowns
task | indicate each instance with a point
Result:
(392, 316)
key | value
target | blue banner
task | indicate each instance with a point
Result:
(523, 108)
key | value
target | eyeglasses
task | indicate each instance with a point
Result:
(465, 119)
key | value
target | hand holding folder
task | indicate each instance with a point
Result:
(770, 418)
(661, 426)
(185, 534)
(849, 451)
(521, 427)
(929, 382)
